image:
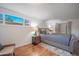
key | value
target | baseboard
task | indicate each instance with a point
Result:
(17, 46)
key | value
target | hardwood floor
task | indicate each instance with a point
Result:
(33, 50)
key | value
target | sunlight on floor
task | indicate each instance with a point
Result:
(58, 51)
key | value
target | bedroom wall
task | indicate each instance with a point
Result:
(75, 26)
(15, 34)
(42, 24)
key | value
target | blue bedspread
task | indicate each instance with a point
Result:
(59, 38)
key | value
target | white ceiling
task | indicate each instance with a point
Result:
(45, 11)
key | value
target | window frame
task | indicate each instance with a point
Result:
(14, 23)
(1, 20)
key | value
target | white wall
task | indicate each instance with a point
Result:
(42, 25)
(45, 24)
(15, 34)
(75, 27)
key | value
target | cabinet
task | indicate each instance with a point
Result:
(36, 40)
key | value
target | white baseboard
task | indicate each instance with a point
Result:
(22, 44)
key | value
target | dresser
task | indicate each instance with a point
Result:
(36, 40)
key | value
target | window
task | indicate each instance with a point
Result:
(27, 22)
(1, 18)
(13, 20)
(9, 19)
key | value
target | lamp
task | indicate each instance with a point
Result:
(51, 28)
(35, 30)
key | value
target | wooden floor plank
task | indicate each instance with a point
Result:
(33, 50)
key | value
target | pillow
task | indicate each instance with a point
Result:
(1, 47)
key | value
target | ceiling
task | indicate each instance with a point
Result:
(45, 11)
